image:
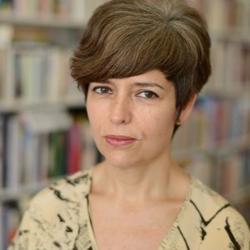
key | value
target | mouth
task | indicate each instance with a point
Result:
(119, 140)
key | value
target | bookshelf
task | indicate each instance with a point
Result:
(223, 127)
(215, 143)
(43, 133)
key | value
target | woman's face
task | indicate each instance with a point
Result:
(132, 118)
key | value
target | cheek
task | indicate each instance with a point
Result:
(95, 114)
(158, 123)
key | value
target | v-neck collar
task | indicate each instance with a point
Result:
(168, 239)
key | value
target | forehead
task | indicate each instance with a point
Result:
(150, 78)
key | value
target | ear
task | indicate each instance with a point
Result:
(185, 113)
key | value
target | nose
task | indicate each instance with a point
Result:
(120, 110)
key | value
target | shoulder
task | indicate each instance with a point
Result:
(218, 219)
(65, 190)
(62, 200)
(53, 216)
(66, 193)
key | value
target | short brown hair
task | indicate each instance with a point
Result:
(125, 38)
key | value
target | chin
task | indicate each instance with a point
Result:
(118, 161)
(119, 158)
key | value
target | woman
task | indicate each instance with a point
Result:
(141, 64)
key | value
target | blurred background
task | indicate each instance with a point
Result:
(44, 133)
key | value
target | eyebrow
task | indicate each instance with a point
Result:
(149, 84)
(141, 84)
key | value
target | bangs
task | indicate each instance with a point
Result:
(130, 46)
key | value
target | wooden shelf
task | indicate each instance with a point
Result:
(54, 23)
(19, 105)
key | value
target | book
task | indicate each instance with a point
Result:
(75, 148)
(1, 152)
(13, 154)
(215, 121)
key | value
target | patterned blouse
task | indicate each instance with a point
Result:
(58, 218)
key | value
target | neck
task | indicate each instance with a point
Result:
(138, 183)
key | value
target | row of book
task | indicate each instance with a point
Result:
(35, 72)
(224, 14)
(39, 145)
(226, 174)
(71, 10)
(215, 122)
(234, 173)
(230, 66)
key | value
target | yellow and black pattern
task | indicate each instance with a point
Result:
(58, 218)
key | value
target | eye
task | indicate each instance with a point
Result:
(147, 94)
(102, 90)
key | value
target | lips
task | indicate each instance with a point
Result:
(119, 140)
